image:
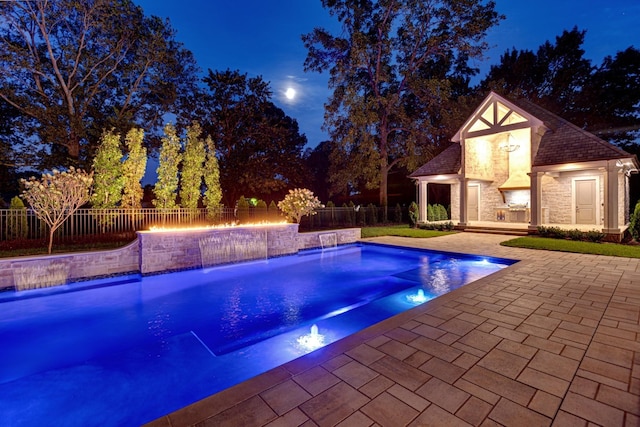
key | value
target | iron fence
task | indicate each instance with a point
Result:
(21, 224)
(358, 216)
(24, 224)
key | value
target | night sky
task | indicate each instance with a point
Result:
(262, 37)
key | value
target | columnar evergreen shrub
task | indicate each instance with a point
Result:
(373, 214)
(193, 159)
(634, 224)
(430, 214)
(242, 207)
(442, 213)
(261, 211)
(274, 212)
(413, 214)
(166, 187)
(17, 221)
(133, 169)
(211, 173)
(108, 179)
(398, 213)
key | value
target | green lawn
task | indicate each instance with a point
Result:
(401, 231)
(610, 249)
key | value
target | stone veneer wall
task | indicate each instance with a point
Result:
(165, 251)
(180, 249)
(311, 240)
(81, 265)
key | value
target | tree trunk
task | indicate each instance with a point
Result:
(51, 231)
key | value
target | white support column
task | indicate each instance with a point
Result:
(424, 201)
(611, 225)
(464, 215)
(536, 200)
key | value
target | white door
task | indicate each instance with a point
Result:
(585, 201)
(473, 202)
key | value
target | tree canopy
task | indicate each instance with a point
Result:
(391, 60)
(72, 68)
(259, 147)
(604, 100)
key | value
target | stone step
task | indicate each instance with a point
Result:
(496, 230)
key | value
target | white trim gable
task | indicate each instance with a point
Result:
(495, 115)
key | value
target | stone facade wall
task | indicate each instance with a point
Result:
(557, 196)
(82, 265)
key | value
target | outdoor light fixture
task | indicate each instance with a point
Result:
(510, 145)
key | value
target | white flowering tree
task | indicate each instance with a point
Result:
(56, 196)
(298, 203)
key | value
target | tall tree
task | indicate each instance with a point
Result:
(192, 161)
(553, 77)
(170, 157)
(74, 67)
(387, 51)
(604, 100)
(258, 145)
(108, 179)
(133, 169)
(610, 100)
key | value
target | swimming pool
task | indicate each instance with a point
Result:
(132, 349)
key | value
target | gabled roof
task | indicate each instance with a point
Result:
(563, 142)
(445, 163)
(492, 114)
(566, 142)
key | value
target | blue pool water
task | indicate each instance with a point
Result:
(127, 350)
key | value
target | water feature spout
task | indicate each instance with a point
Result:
(313, 340)
(233, 246)
(40, 274)
(418, 297)
(328, 240)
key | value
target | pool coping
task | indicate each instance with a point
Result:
(569, 323)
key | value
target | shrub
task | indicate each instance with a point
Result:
(56, 196)
(298, 203)
(17, 221)
(398, 213)
(442, 213)
(441, 226)
(634, 224)
(594, 236)
(274, 212)
(575, 234)
(243, 210)
(261, 211)
(373, 214)
(430, 214)
(413, 214)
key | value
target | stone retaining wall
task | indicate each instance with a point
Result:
(312, 239)
(156, 252)
(80, 265)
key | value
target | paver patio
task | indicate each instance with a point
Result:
(551, 340)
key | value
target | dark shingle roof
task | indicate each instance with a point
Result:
(447, 162)
(566, 142)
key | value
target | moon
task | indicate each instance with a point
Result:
(290, 93)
